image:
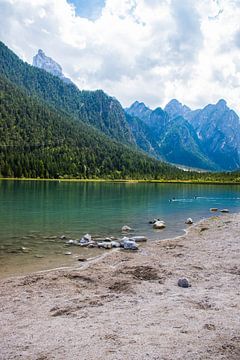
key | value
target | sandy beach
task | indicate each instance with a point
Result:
(127, 305)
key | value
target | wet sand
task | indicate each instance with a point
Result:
(128, 305)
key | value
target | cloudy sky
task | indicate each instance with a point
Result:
(146, 50)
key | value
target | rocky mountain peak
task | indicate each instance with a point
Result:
(221, 104)
(42, 61)
(175, 108)
(140, 110)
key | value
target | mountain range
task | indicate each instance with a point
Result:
(50, 128)
(207, 138)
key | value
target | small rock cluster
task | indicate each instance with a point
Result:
(127, 243)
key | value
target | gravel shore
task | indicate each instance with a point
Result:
(127, 305)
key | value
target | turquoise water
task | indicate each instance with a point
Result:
(35, 214)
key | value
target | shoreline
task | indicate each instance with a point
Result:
(129, 181)
(98, 257)
(128, 306)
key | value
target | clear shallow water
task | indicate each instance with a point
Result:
(34, 214)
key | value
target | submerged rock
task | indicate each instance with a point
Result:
(224, 211)
(24, 250)
(68, 253)
(87, 243)
(126, 228)
(138, 238)
(214, 209)
(105, 245)
(73, 242)
(63, 237)
(86, 239)
(92, 245)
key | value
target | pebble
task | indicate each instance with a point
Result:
(184, 283)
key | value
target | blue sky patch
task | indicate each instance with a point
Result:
(90, 9)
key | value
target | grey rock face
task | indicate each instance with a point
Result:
(46, 63)
(207, 138)
(166, 137)
(139, 110)
(175, 108)
(218, 129)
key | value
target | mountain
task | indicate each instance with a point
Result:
(175, 108)
(175, 134)
(41, 61)
(207, 138)
(218, 129)
(39, 139)
(139, 110)
(144, 138)
(93, 107)
(174, 139)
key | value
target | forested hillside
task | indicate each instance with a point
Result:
(93, 107)
(49, 129)
(38, 141)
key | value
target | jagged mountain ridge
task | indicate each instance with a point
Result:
(218, 131)
(36, 140)
(175, 138)
(167, 137)
(204, 138)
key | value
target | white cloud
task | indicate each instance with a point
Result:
(148, 50)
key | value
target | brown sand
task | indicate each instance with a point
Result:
(128, 305)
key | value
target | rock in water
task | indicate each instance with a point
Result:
(184, 283)
(115, 244)
(214, 209)
(224, 211)
(138, 238)
(105, 245)
(126, 228)
(72, 242)
(86, 239)
(189, 221)
(159, 225)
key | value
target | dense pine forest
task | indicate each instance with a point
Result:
(49, 129)
(38, 141)
(93, 107)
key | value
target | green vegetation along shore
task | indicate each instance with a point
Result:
(222, 179)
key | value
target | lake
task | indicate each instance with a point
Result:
(34, 215)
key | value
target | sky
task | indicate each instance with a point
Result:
(145, 50)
